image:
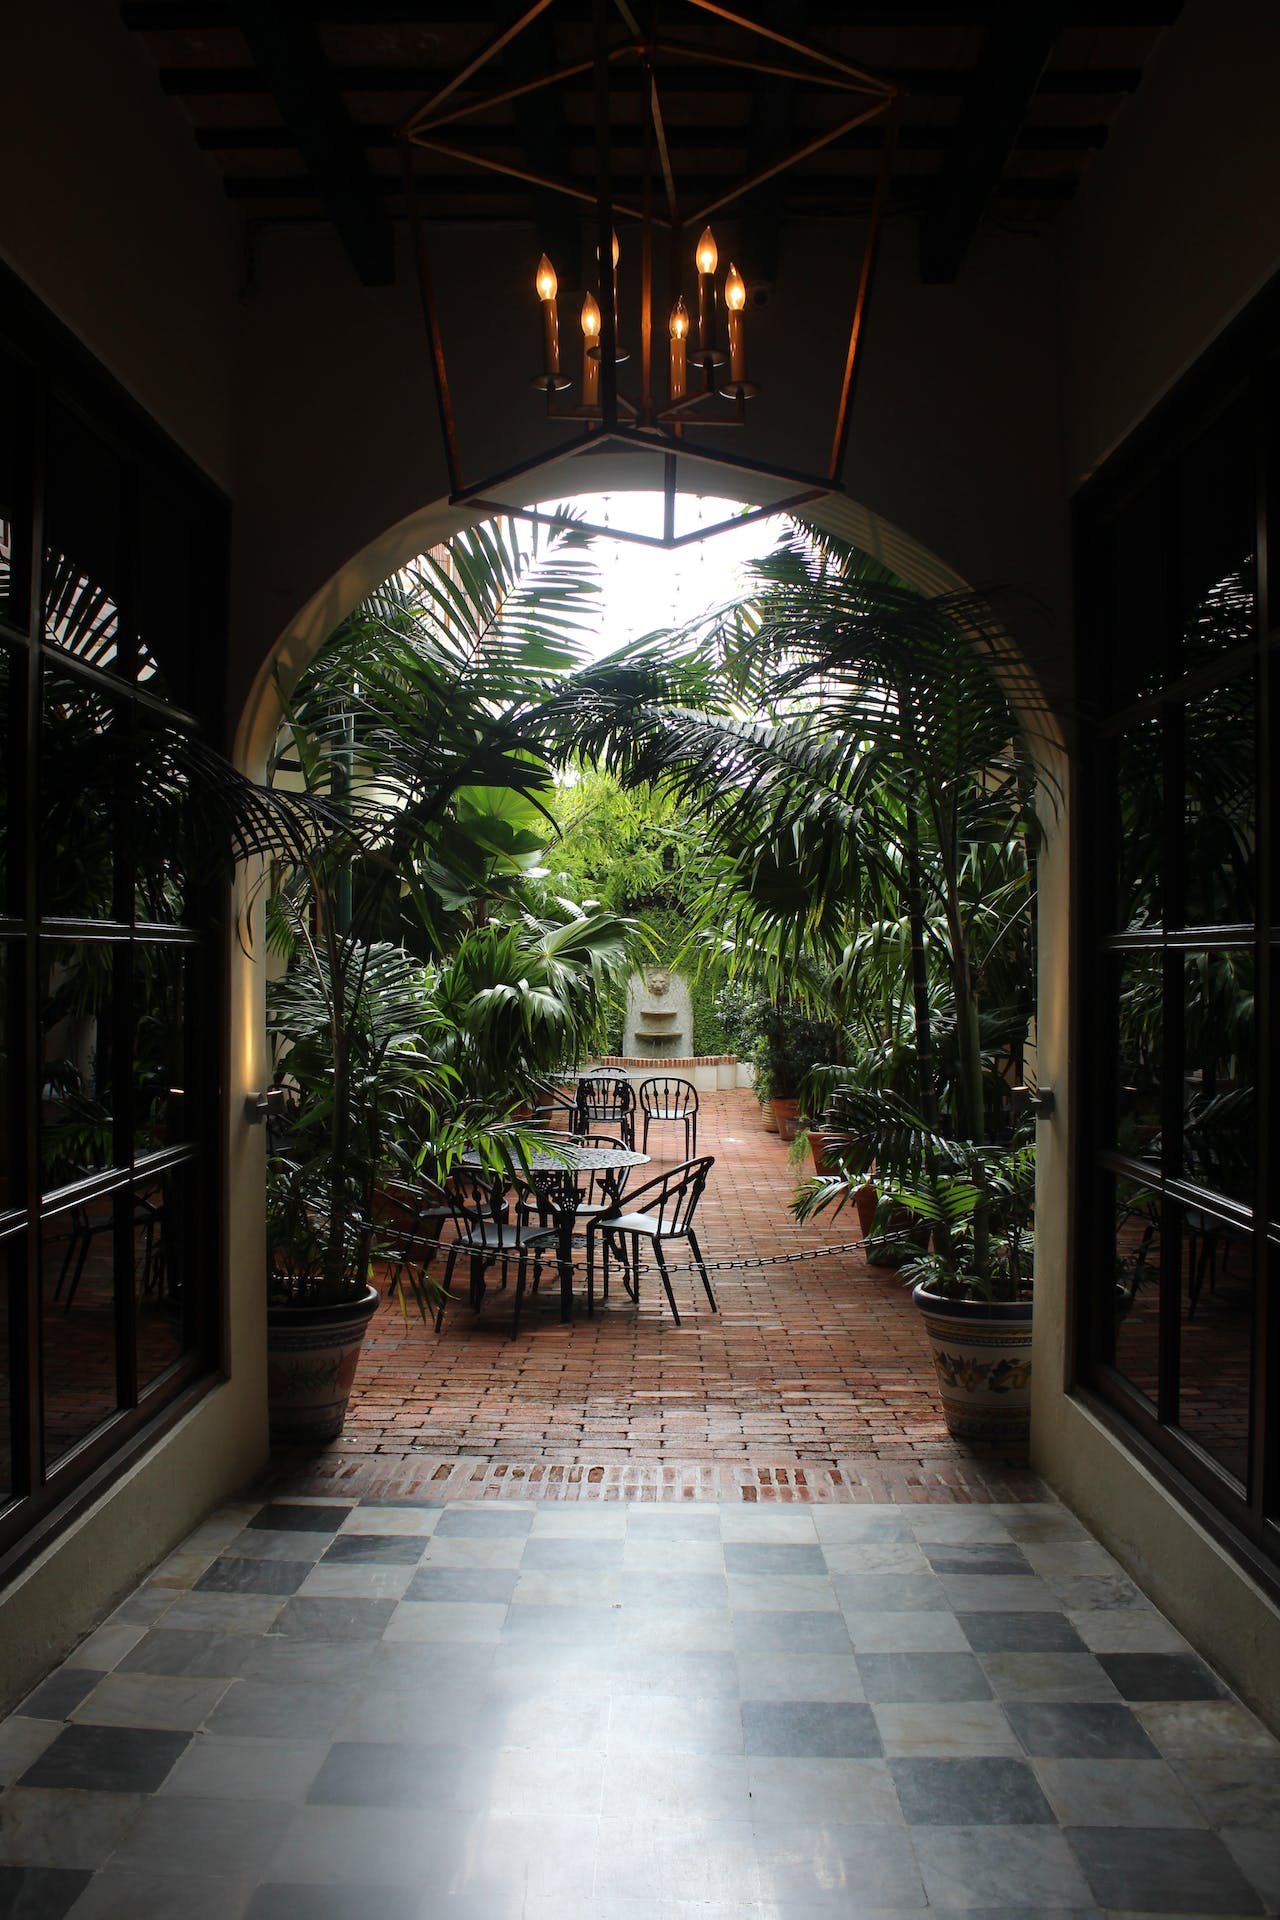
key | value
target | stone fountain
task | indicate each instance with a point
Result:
(659, 1016)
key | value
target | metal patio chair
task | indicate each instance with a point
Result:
(661, 1210)
(670, 1100)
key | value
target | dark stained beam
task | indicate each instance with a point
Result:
(770, 137)
(289, 55)
(1004, 83)
(836, 194)
(161, 16)
(929, 139)
(543, 138)
(927, 83)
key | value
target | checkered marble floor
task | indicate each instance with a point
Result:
(318, 1710)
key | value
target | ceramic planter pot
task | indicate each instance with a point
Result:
(982, 1354)
(768, 1119)
(311, 1363)
(787, 1114)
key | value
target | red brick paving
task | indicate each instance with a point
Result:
(812, 1382)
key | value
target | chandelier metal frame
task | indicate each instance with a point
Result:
(614, 420)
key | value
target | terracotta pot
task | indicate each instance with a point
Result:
(866, 1200)
(982, 1355)
(787, 1114)
(311, 1363)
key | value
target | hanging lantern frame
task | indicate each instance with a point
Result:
(613, 419)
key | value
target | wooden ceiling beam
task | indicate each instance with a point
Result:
(926, 83)
(290, 57)
(701, 139)
(846, 193)
(1004, 83)
(203, 16)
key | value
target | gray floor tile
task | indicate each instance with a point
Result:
(330, 1846)
(545, 1855)
(823, 1792)
(219, 1767)
(264, 1544)
(829, 1869)
(950, 1524)
(274, 1901)
(693, 1590)
(579, 1552)
(790, 1632)
(781, 1593)
(670, 1723)
(1161, 1676)
(673, 1523)
(387, 1774)
(224, 1612)
(124, 1893)
(875, 1556)
(922, 1676)
(492, 1585)
(588, 1521)
(22, 1741)
(1093, 1730)
(676, 1629)
(179, 1703)
(889, 1592)
(205, 1838)
(973, 1556)
(695, 1788)
(1042, 1522)
(59, 1695)
(1120, 1630)
(1234, 1789)
(957, 1729)
(106, 1759)
(375, 1549)
(229, 1575)
(654, 1670)
(905, 1633)
(1024, 1868)
(301, 1516)
(1257, 1854)
(773, 1557)
(104, 1649)
(1020, 1633)
(779, 1526)
(468, 1550)
(699, 1861)
(843, 1525)
(1067, 1677)
(1153, 1870)
(40, 1893)
(483, 1523)
(286, 1659)
(465, 1621)
(64, 1827)
(373, 1518)
(810, 1729)
(991, 1791)
(1117, 1793)
(344, 1620)
(570, 1587)
(565, 1626)
(206, 1653)
(998, 1593)
(799, 1676)
(1096, 1593)
(261, 1709)
(640, 1555)
(1205, 1726)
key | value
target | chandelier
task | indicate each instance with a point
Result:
(688, 373)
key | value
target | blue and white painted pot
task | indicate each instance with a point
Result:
(311, 1364)
(982, 1354)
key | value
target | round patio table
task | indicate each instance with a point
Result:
(565, 1156)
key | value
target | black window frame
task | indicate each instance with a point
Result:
(51, 370)
(1238, 378)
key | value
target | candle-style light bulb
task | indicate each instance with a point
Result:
(545, 280)
(590, 350)
(679, 334)
(615, 249)
(706, 256)
(546, 285)
(735, 299)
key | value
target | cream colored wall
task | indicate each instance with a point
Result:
(122, 229)
(1175, 230)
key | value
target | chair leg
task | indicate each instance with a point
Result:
(447, 1284)
(696, 1251)
(644, 1144)
(666, 1279)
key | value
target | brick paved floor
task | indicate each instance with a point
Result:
(814, 1374)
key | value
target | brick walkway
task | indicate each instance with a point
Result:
(813, 1382)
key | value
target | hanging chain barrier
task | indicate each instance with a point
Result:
(418, 1244)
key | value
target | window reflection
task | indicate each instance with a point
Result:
(78, 1334)
(1218, 1020)
(1140, 1085)
(77, 1135)
(79, 828)
(1140, 800)
(1218, 805)
(1217, 1338)
(160, 1054)
(1136, 593)
(165, 1306)
(1134, 1287)
(10, 1118)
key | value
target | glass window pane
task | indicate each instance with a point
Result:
(11, 1169)
(10, 679)
(79, 808)
(13, 1254)
(167, 604)
(1218, 1013)
(1135, 1293)
(1218, 821)
(167, 1309)
(164, 826)
(78, 983)
(1137, 601)
(14, 511)
(1215, 540)
(1140, 803)
(84, 538)
(161, 1047)
(1217, 1338)
(77, 1325)
(1140, 1086)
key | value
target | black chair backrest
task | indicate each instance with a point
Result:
(598, 1185)
(672, 1198)
(668, 1094)
(605, 1099)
